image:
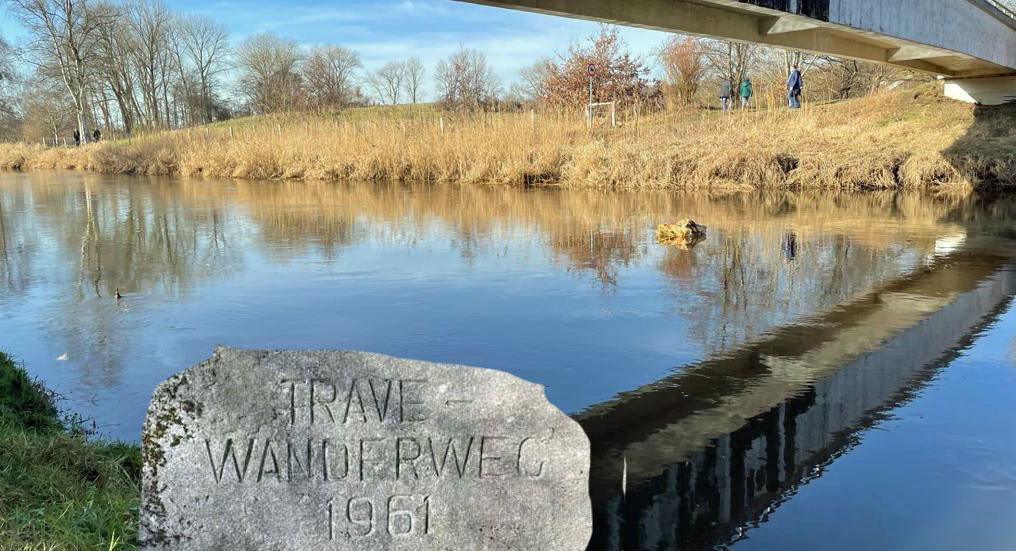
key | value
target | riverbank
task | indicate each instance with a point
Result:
(58, 490)
(906, 139)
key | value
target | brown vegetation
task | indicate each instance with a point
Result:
(617, 75)
(887, 141)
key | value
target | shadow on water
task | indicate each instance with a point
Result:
(695, 459)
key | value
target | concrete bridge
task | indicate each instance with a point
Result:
(687, 461)
(970, 43)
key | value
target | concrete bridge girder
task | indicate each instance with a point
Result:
(753, 22)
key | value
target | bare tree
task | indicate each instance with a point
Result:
(66, 32)
(329, 75)
(803, 61)
(684, 61)
(466, 81)
(618, 75)
(535, 78)
(9, 104)
(415, 72)
(387, 82)
(205, 46)
(269, 77)
(113, 62)
(730, 60)
(150, 25)
(47, 112)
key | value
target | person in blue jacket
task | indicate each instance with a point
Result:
(794, 86)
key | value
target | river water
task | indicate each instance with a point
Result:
(823, 371)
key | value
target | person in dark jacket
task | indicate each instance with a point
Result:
(726, 92)
(795, 84)
(77, 138)
(96, 135)
(745, 92)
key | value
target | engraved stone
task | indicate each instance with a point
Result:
(351, 450)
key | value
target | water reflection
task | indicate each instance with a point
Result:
(688, 461)
(754, 354)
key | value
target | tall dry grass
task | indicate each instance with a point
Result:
(894, 140)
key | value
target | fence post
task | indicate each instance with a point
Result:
(442, 125)
(613, 114)
(278, 127)
(532, 119)
(231, 132)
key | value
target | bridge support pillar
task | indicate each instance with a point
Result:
(982, 91)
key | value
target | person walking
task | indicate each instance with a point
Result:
(726, 92)
(745, 92)
(77, 138)
(795, 83)
(96, 135)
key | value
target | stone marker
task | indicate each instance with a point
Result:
(350, 450)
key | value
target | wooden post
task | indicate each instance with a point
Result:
(613, 114)
(442, 125)
(532, 119)
(231, 132)
(278, 127)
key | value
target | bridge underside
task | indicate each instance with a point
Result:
(926, 36)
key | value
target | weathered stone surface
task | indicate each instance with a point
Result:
(351, 450)
(685, 229)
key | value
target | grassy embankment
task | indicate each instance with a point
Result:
(58, 490)
(905, 139)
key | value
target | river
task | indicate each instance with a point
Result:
(822, 371)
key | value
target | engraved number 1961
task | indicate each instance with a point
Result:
(402, 514)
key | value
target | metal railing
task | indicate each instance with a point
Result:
(1006, 10)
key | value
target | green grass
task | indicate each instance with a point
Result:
(58, 490)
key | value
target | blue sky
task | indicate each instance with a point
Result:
(383, 30)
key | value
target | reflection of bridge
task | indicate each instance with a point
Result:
(970, 41)
(683, 462)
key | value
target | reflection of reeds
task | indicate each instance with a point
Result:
(769, 256)
(887, 141)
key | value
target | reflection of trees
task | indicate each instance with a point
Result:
(742, 283)
(292, 218)
(18, 255)
(768, 257)
(598, 250)
(136, 237)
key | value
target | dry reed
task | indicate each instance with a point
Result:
(895, 140)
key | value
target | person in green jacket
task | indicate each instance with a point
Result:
(745, 92)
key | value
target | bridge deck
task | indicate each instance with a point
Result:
(951, 38)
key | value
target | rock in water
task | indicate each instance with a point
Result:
(685, 232)
(349, 450)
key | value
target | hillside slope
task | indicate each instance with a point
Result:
(904, 139)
